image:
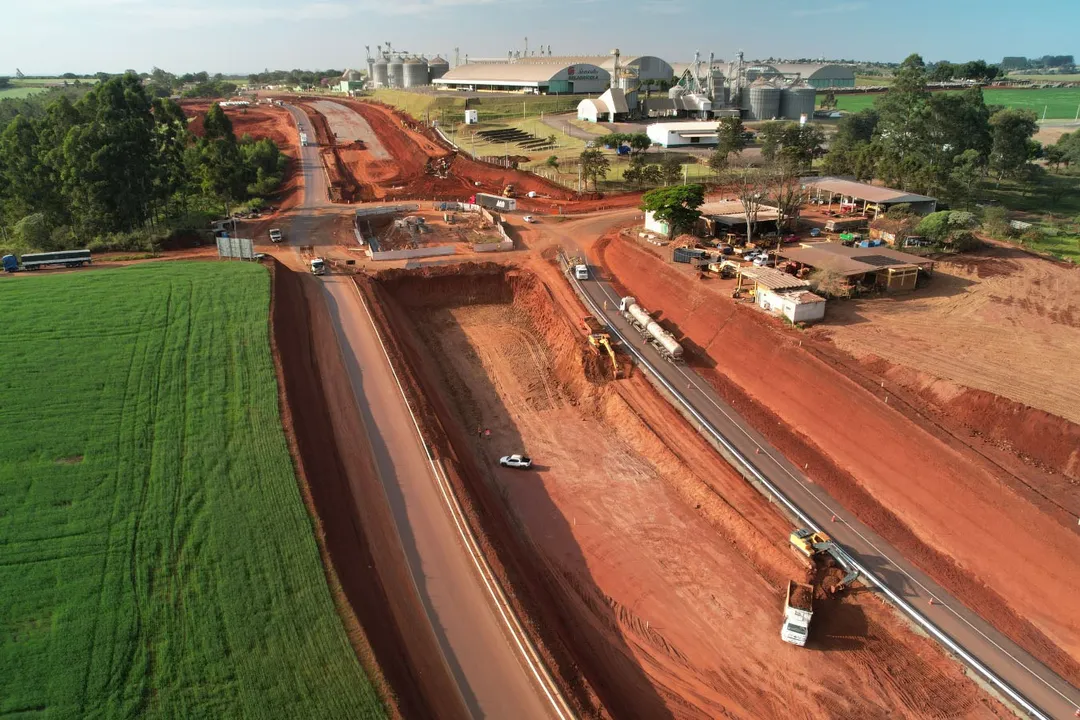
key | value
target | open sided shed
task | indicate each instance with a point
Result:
(889, 269)
(852, 195)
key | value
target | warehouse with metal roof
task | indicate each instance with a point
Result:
(525, 75)
(816, 75)
(863, 197)
(881, 267)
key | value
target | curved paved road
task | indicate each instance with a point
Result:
(486, 667)
(1046, 694)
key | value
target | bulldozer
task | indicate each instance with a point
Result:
(600, 338)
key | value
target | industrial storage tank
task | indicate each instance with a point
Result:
(764, 101)
(381, 74)
(437, 67)
(796, 101)
(397, 72)
(416, 72)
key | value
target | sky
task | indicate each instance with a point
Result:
(48, 37)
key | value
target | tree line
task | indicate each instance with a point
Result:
(292, 77)
(119, 168)
(939, 144)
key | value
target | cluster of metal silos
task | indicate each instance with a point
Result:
(381, 73)
(396, 70)
(764, 101)
(437, 67)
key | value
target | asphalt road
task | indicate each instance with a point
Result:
(1044, 690)
(488, 670)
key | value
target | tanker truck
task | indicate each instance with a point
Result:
(664, 342)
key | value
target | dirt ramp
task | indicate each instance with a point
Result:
(353, 522)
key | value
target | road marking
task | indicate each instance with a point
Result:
(524, 644)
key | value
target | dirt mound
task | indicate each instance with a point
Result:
(354, 526)
(902, 481)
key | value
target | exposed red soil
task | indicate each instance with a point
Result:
(259, 121)
(946, 509)
(412, 146)
(661, 581)
(353, 521)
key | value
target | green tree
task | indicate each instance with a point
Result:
(772, 138)
(730, 135)
(1012, 130)
(552, 162)
(966, 177)
(752, 187)
(671, 169)
(640, 143)
(32, 233)
(676, 205)
(718, 161)
(594, 166)
(265, 166)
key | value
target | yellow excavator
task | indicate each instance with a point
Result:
(813, 544)
(599, 337)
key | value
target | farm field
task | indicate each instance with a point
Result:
(19, 92)
(1059, 103)
(156, 557)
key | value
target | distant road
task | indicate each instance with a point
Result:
(487, 668)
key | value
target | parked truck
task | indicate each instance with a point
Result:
(34, 261)
(493, 202)
(798, 610)
(318, 266)
(664, 342)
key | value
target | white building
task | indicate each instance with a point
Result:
(683, 134)
(612, 106)
(543, 78)
(798, 306)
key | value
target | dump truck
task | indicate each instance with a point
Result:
(664, 342)
(798, 611)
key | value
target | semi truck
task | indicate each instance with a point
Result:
(34, 261)
(798, 610)
(664, 342)
(493, 202)
(318, 266)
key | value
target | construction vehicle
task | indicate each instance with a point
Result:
(664, 342)
(600, 338)
(813, 544)
(798, 611)
(508, 191)
(318, 266)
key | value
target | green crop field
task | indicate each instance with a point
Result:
(156, 557)
(1059, 103)
(20, 91)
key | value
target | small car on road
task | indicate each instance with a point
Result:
(521, 462)
(529, 219)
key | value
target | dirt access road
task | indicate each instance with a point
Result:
(487, 668)
(1044, 688)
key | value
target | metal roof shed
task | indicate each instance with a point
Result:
(851, 192)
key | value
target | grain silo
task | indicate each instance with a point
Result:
(437, 67)
(416, 72)
(397, 71)
(764, 101)
(796, 101)
(380, 73)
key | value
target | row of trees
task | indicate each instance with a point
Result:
(120, 162)
(291, 77)
(977, 70)
(940, 144)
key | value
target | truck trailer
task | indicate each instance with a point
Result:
(664, 342)
(494, 202)
(34, 261)
(798, 611)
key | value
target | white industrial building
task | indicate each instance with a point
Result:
(541, 78)
(682, 134)
(782, 294)
(613, 106)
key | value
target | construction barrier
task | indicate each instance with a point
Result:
(434, 251)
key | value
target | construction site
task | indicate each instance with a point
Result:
(654, 575)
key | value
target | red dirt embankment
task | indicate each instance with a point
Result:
(353, 523)
(258, 121)
(643, 556)
(944, 508)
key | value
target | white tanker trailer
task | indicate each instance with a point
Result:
(657, 336)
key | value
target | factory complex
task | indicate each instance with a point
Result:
(622, 87)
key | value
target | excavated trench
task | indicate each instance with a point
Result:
(654, 605)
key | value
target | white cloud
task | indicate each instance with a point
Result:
(830, 9)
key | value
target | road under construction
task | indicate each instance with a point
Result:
(612, 575)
